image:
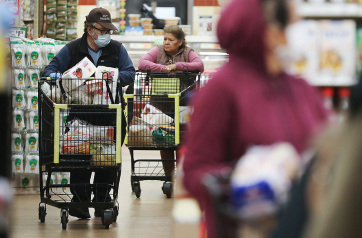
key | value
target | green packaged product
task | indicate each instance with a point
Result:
(164, 135)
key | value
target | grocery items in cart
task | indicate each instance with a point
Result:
(86, 138)
(159, 109)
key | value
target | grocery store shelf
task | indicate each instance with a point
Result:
(346, 10)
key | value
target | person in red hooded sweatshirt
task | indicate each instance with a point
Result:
(250, 100)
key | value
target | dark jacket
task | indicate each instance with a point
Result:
(113, 55)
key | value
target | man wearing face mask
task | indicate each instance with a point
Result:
(97, 46)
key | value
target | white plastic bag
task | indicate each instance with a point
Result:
(155, 116)
(262, 178)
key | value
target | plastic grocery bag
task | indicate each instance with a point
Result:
(140, 133)
(261, 180)
(155, 116)
(165, 134)
(76, 140)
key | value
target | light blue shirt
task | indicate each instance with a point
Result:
(95, 54)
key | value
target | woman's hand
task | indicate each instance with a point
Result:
(169, 68)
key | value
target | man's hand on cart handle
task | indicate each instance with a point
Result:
(55, 76)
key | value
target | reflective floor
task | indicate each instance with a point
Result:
(145, 217)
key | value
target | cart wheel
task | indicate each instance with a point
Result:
(132, 185)
(64, 218)
(115, 213)
(167, 189)
(137, 189)
(107, 217)
(42, 213)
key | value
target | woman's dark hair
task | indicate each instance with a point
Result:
(177, 32)
(276, 11)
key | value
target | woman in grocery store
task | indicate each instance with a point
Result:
(173, 55)
(250, 100)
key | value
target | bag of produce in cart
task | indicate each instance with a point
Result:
(103, 155)
(261, 180)
(165, 134)
(76, 140)
(155, 116)
(80, 95)
(140, 133)
(82, 70)
(101, 134)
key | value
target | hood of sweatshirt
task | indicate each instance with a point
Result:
(241, 31)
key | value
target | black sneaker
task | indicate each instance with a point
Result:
(81, 213)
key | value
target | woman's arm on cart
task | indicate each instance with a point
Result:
(126, 69)
(148, 61)
(59, 63)
(195, 63)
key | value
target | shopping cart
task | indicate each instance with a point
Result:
(79, 131)
(159, 111)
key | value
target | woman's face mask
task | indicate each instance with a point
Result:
(103, 40)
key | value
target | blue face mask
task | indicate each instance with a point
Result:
(103, 40)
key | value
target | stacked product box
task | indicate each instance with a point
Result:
(324, 52)
(61, 19)
(122, 12)
(28, 58)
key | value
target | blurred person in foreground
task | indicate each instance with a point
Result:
(6, 195)
(172, 56)
(333, 187)
(251, 100)
(97, 46)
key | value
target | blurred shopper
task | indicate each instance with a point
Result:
(333, 191)
(6, 19)
(97, 46)
(250, 100)
(173, 55)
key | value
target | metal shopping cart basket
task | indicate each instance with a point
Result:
(158, 116)
(79, 130)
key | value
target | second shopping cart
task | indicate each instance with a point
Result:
(158, 121)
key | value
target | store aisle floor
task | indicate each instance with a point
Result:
(149, 216)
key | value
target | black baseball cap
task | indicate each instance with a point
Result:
(102, 17)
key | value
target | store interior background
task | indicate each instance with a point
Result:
(327, 45)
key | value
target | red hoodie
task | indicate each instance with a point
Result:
(242, 105)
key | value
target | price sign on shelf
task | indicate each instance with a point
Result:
(17, 32)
